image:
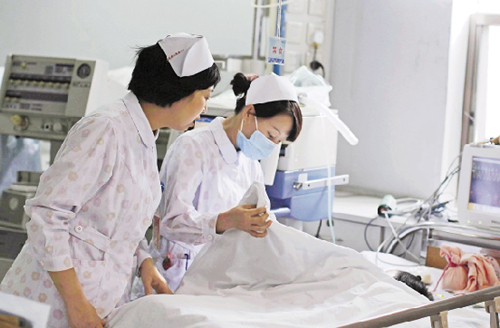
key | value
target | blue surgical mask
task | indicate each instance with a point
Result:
(257, 147)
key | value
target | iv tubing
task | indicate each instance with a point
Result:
(329, 182)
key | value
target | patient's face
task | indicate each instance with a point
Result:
(275, 128)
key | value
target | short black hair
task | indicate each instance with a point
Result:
(270, 109)
(414, 282)
(154, 80)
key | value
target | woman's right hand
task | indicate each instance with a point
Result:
(81, 314)
(246, 218)
(78, 309)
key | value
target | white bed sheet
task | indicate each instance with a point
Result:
(287, 279)
(339, 287)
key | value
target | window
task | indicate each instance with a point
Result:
(481, 111)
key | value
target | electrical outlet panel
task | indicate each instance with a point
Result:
(311, 28)
(317, 7)
(297, 7)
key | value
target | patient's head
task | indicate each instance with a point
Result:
(414, 282)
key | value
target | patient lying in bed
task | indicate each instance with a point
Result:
(288, 279)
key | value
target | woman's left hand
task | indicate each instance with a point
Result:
(152, 279)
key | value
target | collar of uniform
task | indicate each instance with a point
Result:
(225, 145)
(140, 120)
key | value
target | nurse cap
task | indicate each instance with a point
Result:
(269, 88)
(188, 54)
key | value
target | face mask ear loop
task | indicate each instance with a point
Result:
(256, 125)
(241, 126)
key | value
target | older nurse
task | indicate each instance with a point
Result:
(208, 170)
(95, 203)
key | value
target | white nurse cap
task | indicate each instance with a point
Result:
(269, 88)
(188, 54)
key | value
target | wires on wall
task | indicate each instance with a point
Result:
(420, 210)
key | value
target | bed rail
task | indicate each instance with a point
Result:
(437, 311)
(455, 229)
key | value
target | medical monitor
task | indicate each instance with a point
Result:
(42, 97)
(479, 187)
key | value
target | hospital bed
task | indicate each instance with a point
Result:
(291, 279)
(357, 294)
(445, 302)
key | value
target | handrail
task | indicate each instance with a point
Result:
(471, 232)
(428, 310)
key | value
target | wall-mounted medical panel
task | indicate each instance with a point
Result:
(42, 97)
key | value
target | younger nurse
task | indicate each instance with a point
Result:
(207, 171)
(95, 203)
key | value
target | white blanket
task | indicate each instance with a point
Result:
(287, 279)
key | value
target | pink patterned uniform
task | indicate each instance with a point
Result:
(91, 211)
(204, 175)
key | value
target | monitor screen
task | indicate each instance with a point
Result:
(484, 194)
(478, 199)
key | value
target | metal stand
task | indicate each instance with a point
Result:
(440, 320)
(493, 307)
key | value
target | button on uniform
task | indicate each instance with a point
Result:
(79, 229)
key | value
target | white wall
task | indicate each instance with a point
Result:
(111, 29)
(390, 76)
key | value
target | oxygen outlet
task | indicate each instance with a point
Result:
(19, 122)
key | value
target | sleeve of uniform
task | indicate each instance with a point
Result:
(182, 173)
(82, 166)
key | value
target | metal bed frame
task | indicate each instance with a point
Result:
(450, 232)
(437, 311)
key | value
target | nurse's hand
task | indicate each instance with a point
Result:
(245, 218)
(152, 279)
(83, 315)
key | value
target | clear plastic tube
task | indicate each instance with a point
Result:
(329, 182)
(327, 112)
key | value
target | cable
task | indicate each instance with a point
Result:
(366, 229)
(437, 193)
(315, 65)
(380, 248)
(399, 240)
(371, 248)
(319, 228)
(279, 19)
(427, 208)
(408, 245)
